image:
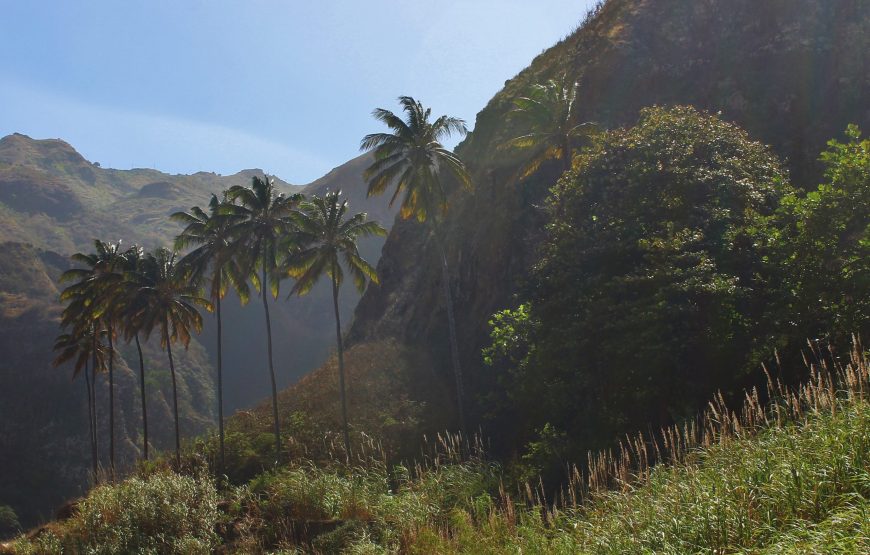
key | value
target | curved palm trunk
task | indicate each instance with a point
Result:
(265, 291)
(451, 324)
(142, 392)
(174, 394)
(344, 427)
(220, 382)
(111, 404)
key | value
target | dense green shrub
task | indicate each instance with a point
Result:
(651, 288)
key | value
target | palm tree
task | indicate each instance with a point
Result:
(549, 114)
(130, 288)
(331, 238)
(412, 159)
(265, 220)
(96, 294)
(166, 300)
(83, 347)
(215, 252)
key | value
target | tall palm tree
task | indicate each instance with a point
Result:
(82, 346)
(130, 288)
(265, 221)
(412, 159)
(166, 301)
(332, 239)
(96, 293)
(215, 253)
(552, 133)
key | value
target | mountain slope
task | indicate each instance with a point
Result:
(792, 73)
(53, 198)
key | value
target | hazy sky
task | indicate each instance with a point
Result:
(284, 85)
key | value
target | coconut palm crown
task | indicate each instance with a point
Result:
(548, 113)
(412, 158)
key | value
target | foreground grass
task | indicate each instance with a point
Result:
(792, 478)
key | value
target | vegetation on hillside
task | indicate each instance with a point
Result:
(675, 256)
(253, 235)
(673, 259)
(792, 476)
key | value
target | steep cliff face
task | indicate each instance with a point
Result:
(793, 73)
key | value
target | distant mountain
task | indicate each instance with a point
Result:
(52, 198)
(53, 202)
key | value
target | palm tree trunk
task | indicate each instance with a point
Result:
(174, 394)
(451, 324)
(342, 394)
(220, 382)
(111, 404)
(265, 291)
(566, 154)
(96, 451)
(142, 392)
(91, 430)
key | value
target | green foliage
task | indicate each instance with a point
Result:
(411, 158)
(161, 513)
(550, 128)
(9, 524)
(826, 246)
(651, 287)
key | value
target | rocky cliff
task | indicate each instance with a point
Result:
(793, 73)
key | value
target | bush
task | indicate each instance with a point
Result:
(9, 525)
(164, 513)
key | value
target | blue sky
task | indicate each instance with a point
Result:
(283, 85)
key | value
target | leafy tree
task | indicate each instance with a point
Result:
(412, 159)
(651, 290)
(332, 239)
(548, 114)
(265, 219)
(95, 296)
(166, 300)
(215, 254)
(826, 245)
